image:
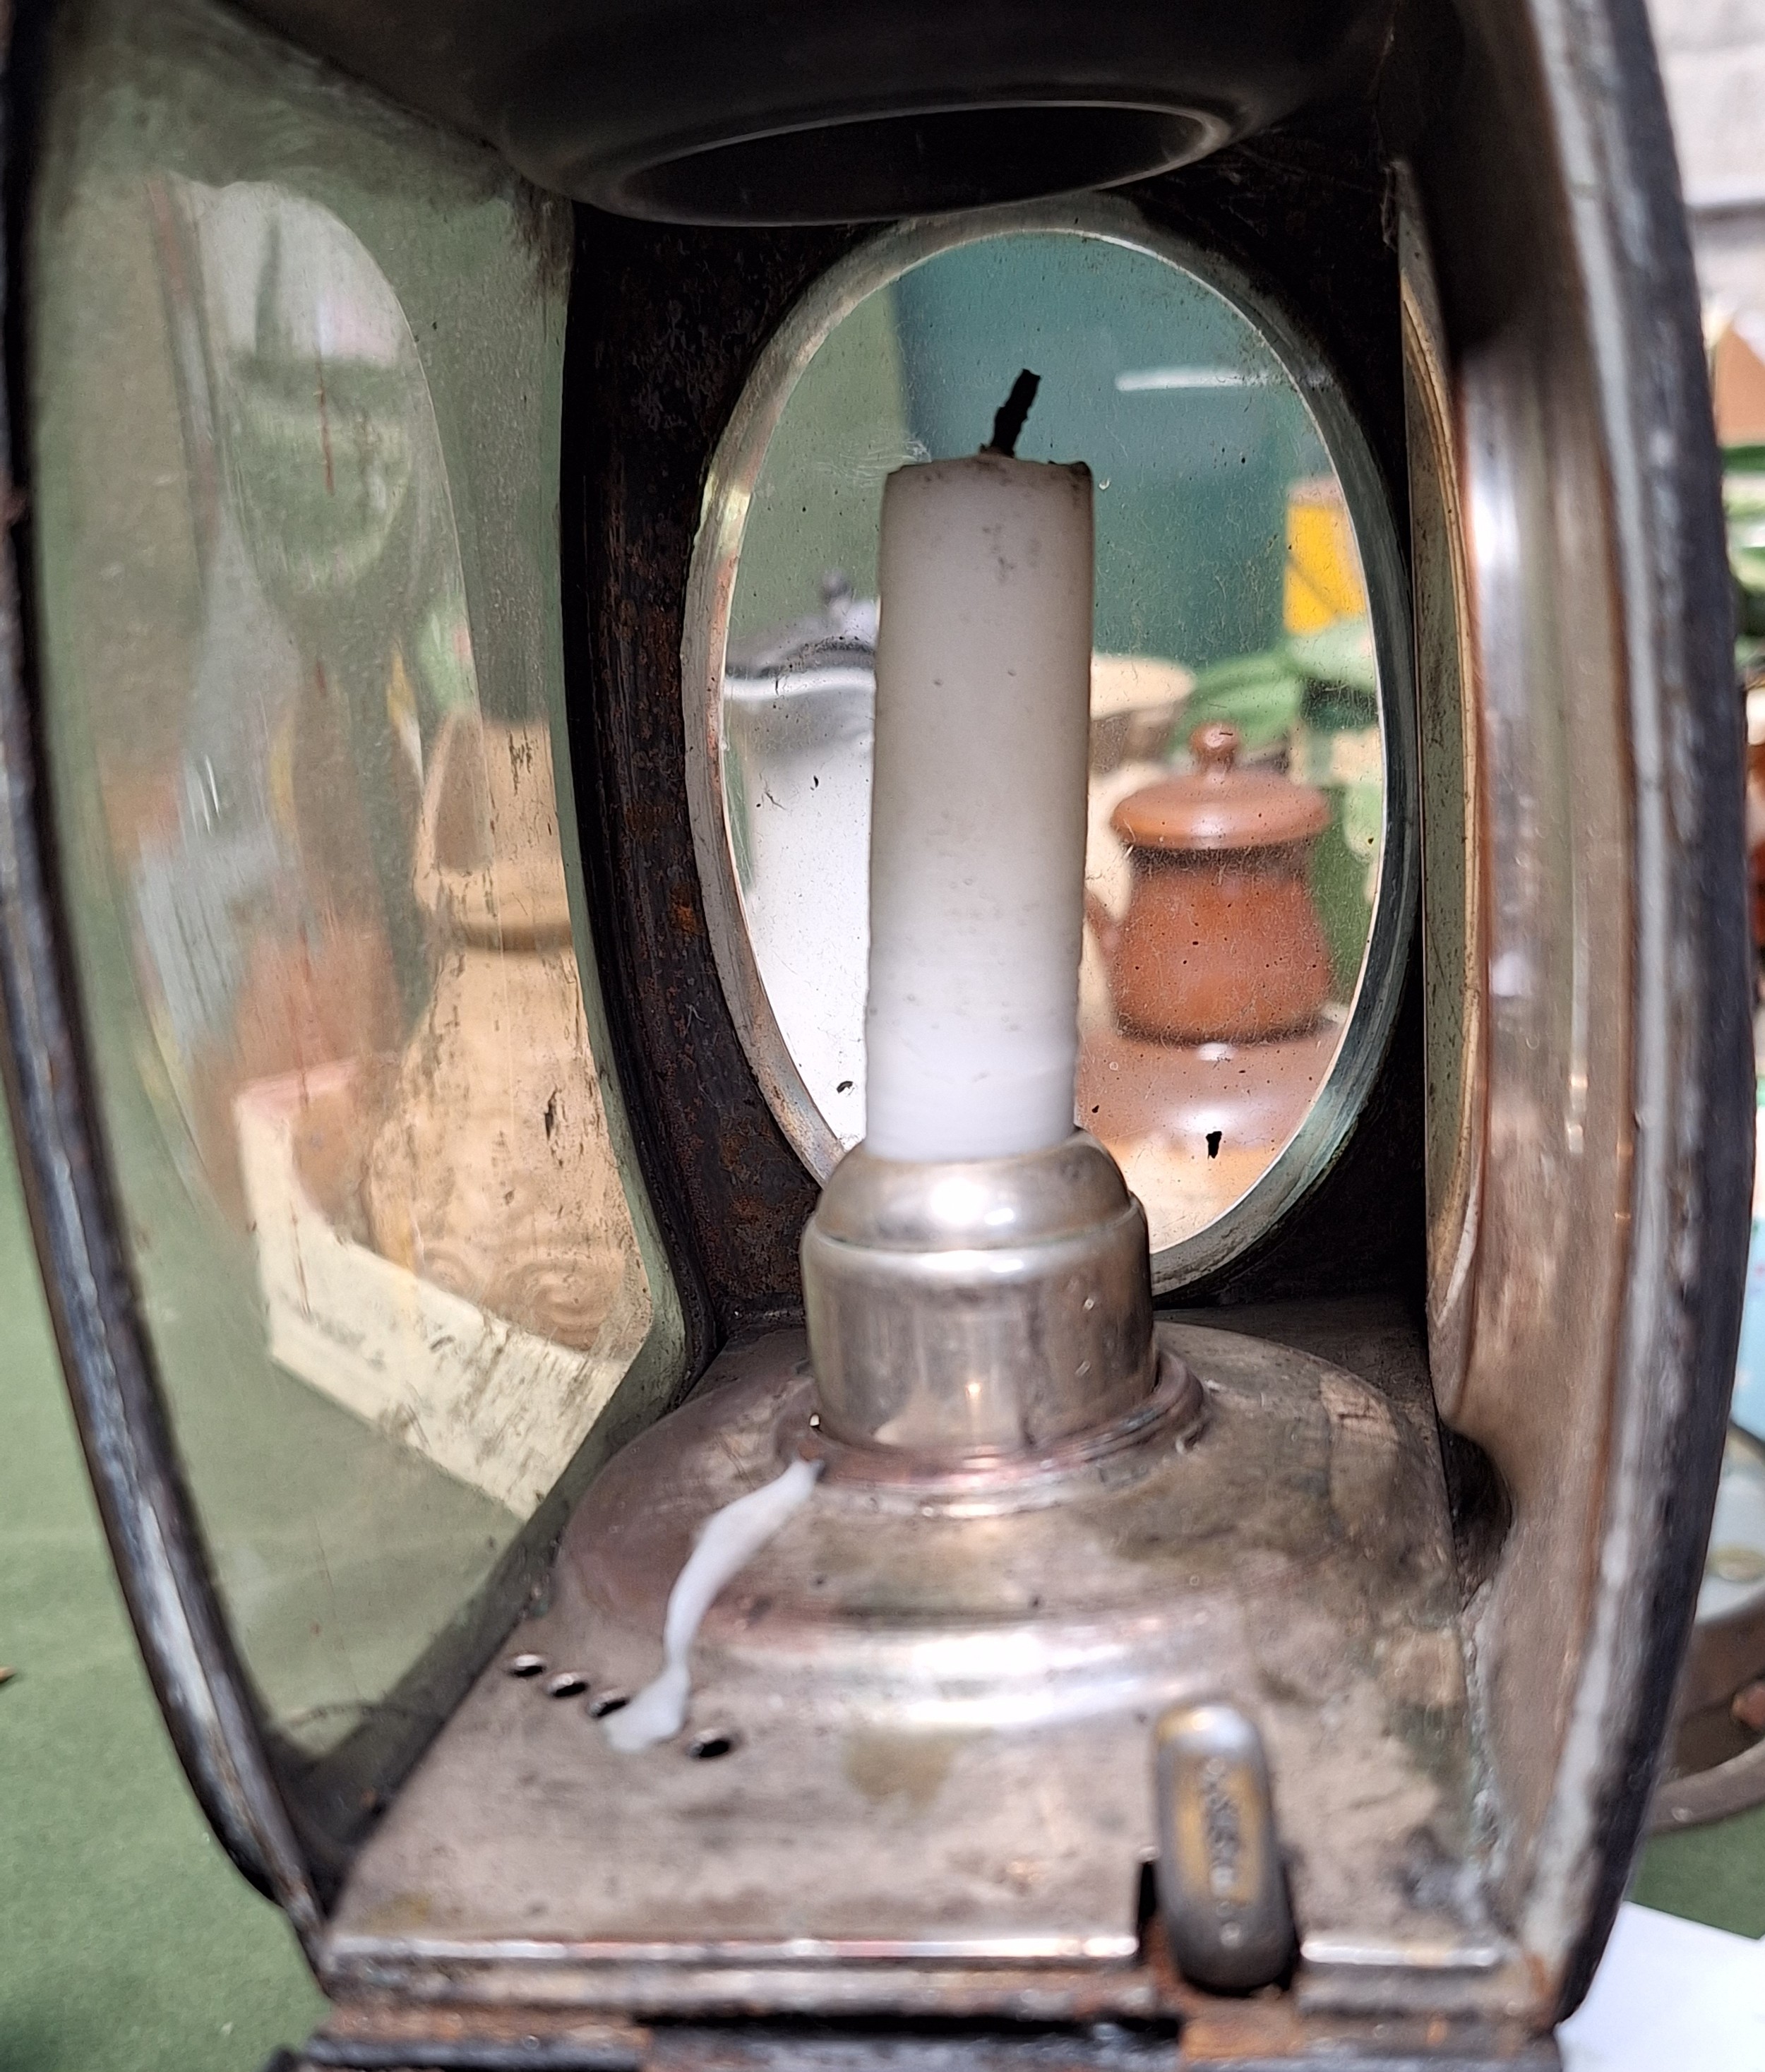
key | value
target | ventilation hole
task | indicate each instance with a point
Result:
(708, 1746)
(526, 1665)
(1145, 1900)
(609, 1701)
(567, 1684)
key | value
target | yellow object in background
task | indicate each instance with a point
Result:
(1323, 580)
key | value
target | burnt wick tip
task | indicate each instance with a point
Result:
(1008, 420)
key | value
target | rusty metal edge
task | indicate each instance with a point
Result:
(885, 2053)
(881, 1991)
(1246, 2035)
(1101, 2047)
(146, 1511)
(1691, 1058)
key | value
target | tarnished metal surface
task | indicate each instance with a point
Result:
(1592, 1286)
(1188, 2028)
(983, 1485)
(1245, 2034)
(1452, 934)
(1191, 2029)
(378, 2033)
(901, 1690)
(881, 1989)
(985, 1306)
(1221, 1885)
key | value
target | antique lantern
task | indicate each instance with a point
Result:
(897, 1210)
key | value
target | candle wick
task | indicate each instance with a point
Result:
(1008, 419)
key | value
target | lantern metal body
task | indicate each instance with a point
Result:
(1504, 1293)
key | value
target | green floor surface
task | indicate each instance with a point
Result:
(1715, 1874)
(127, 1942)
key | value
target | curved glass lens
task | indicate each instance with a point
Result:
(297, 369)
(1239, 751)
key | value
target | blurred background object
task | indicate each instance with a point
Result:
(1713, 60)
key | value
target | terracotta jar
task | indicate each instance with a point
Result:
(493, 1174)
(1221, 942)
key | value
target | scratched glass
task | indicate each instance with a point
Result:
(296, 449)
(1216, 984)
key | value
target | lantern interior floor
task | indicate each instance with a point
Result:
(924, 1738)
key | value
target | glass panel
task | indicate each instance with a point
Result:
(1234, 664)
(297, 366)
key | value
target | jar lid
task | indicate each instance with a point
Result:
(1217, 806)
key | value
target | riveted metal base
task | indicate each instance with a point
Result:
(917, 1778)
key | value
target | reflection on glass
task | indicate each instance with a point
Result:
(380, 1226)
(1237, 808)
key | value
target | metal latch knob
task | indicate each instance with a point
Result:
(1221, 1888)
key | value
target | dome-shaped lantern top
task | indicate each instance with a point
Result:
(723, 111)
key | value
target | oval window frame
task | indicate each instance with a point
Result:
(733, 474)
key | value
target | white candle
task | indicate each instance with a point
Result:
(977, 816)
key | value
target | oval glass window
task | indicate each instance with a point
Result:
(1251, 861)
